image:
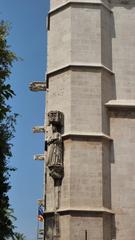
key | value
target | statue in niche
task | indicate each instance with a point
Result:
(55, 145)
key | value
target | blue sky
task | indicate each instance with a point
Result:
(28, 39)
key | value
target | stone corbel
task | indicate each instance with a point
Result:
(38, 129)
(39, 157)
(38, 86)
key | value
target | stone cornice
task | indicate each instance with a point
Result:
(101, 210)
(92, 66)
(121, 104)
(77, 2)
(89, 135)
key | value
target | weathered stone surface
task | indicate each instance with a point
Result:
(91, 80)
(76, 93)
(123, 49)
(123, 175)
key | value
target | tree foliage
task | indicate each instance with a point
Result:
(7, 127)
(19, 236)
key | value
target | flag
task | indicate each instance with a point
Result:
(40, 214)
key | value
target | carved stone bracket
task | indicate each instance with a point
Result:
(56, 172)
(38, 86)
(39, 157)
(38, 129)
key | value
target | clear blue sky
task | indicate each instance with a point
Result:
(28, 40)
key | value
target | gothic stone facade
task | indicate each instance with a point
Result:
(90, 158)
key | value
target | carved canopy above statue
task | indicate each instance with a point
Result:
(55, 118)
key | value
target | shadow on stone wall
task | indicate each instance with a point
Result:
(123, 3)
(113, 233)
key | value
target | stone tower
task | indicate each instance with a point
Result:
(90, 127)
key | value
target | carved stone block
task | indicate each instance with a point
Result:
(38, 129)
(37, 86)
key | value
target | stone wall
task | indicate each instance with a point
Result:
(91, 81)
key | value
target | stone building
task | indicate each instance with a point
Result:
(90, 128)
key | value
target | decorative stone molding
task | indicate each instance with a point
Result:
(101, 210)
(79, 65)
(90, 136)
(72, 66)
(123, 104)
(121, 108)
(98, 3)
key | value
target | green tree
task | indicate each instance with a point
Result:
(7, 128)
(19, 236)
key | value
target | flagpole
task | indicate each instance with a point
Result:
(37, 229)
